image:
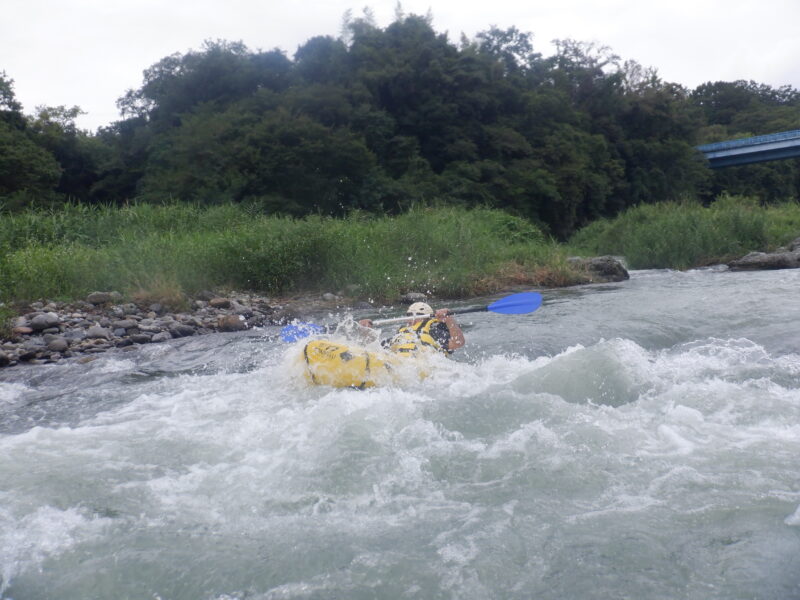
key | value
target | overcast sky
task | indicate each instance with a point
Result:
(89, 52)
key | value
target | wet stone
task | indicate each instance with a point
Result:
(58, 344)
(44, 321)
(220, 303)
(124, 324)
(231, 323)
(96, 298)
(97, 332)
(181, 330)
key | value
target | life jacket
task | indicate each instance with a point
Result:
(411, 338)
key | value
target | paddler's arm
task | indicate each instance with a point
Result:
(456, 335)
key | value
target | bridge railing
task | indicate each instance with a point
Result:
(751, 141)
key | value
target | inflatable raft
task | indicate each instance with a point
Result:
(343, 366)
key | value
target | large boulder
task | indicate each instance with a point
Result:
(758, 261)
(601, 269)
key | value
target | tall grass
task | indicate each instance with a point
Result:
(444, 251)
(684, 235)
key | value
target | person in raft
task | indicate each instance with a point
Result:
(425, 328)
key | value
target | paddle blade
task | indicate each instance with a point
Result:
(516, 304)
(292, 333)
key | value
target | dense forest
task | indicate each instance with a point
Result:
(383, 119)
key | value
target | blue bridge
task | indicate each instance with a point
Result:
(753, 149)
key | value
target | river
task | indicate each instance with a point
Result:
(634, 440)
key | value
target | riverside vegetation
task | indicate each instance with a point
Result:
(687, 234)
(166, 253)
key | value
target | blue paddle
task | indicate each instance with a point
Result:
(515, 304)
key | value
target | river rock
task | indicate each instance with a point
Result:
(57, 344)
(220, 303)
(30, 349)
(76, 335)
(231, 323)
(179, 330)
(241, 309)
(4, 359)
(95, 332)
(161, 337)
(757, 261)
(141, 338)
(129, 308)
(124, 324)
(21, 331)
(601, 269)
(45, 321)
(96, 298)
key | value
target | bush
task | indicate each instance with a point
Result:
(683, 235)
(145, 248)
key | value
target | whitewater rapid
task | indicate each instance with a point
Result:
(632, 440)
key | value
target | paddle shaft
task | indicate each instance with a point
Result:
(516, 304)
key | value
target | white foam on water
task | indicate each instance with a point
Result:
(27, 540)
(484, 475)
(10, 392)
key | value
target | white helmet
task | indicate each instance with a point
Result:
(419, 309)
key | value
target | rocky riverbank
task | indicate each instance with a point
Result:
(103, 321)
